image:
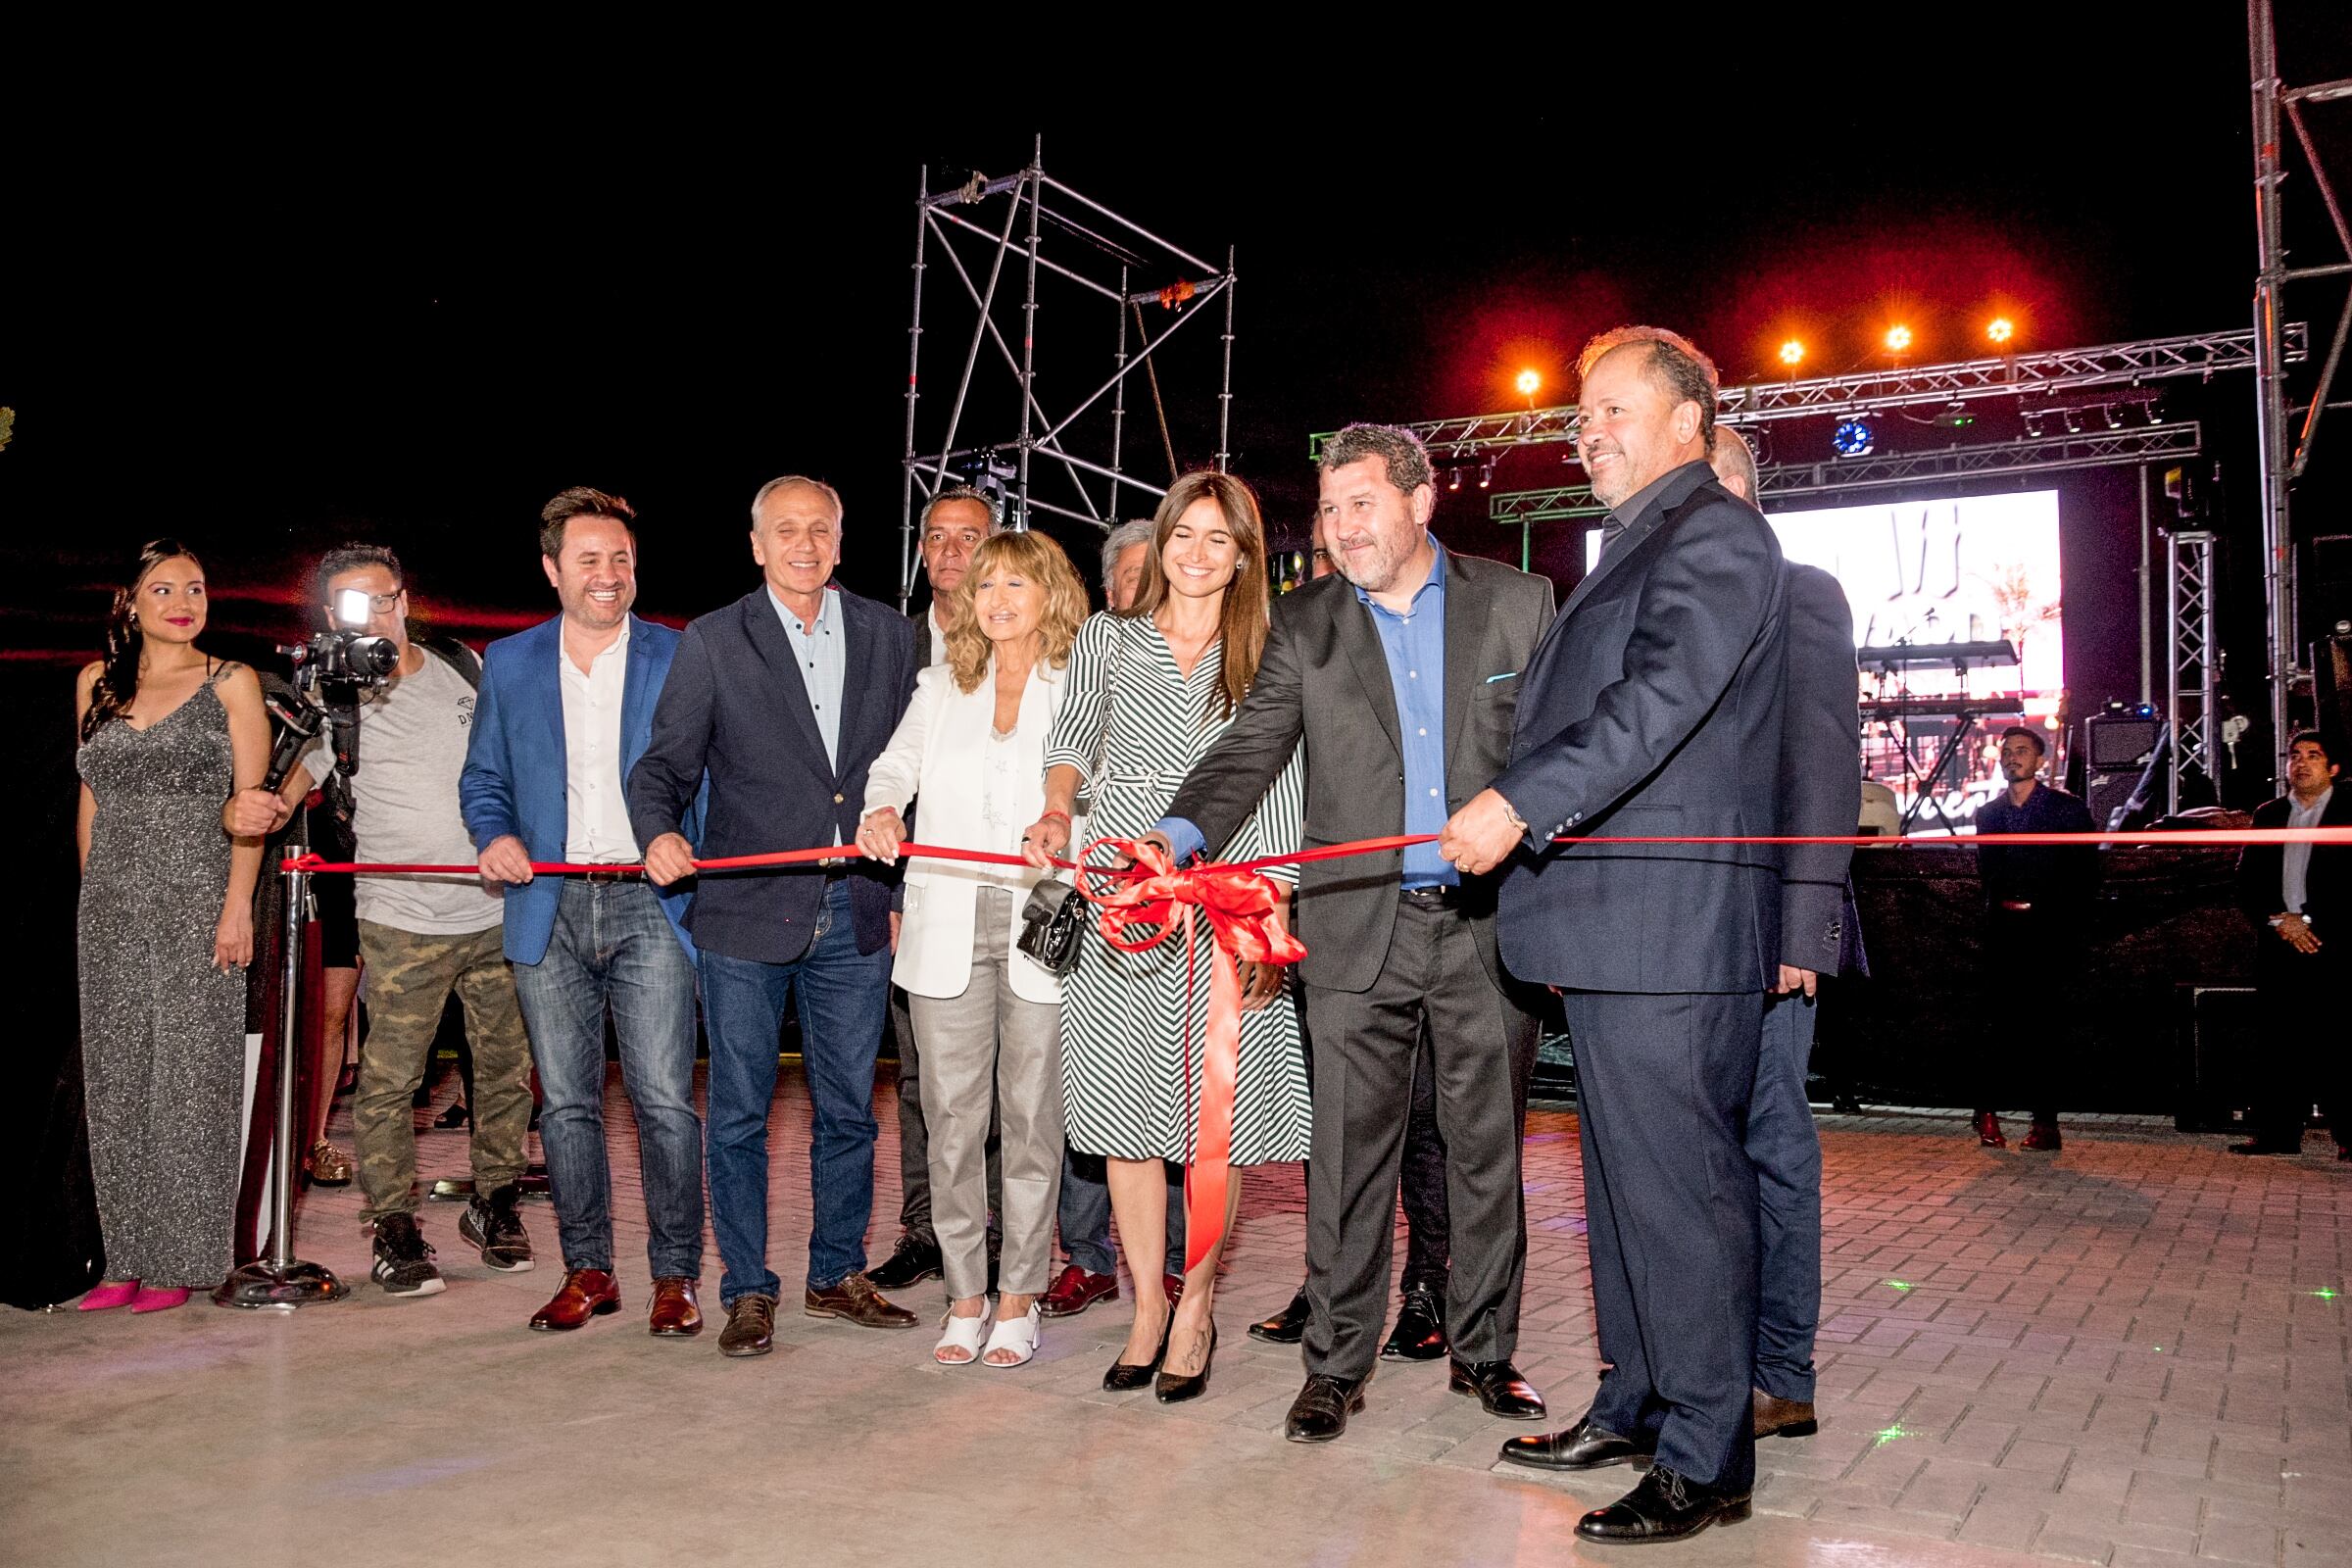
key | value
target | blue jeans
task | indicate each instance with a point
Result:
(1085, 1215)
(843, 996)
(612, 947)
(1784, 1147)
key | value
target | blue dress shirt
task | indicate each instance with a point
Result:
(824, 663)
(1414, 644)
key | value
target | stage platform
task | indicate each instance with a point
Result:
(2130, 1353)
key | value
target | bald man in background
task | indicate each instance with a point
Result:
(1820, 797)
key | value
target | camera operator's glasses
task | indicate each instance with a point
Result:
(382, 603)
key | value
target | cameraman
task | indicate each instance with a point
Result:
(421, 937)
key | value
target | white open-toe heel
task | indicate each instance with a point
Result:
(1018, 1335)
(963, 1334)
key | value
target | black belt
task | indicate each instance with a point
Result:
(1435, 896)
(619, 874)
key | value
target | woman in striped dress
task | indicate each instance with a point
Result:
(1149, 692)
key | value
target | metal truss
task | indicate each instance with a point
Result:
(1092, 249)
(1986, 459)
(2193, 659)
(2055, 373)
(2276, 469)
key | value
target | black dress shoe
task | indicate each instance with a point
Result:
(1582, 1447)
(1175, 1387)
(1285, 1326)
(2265, 1145)
(1320, 1412)
(1420, 1331)
(915, 1260)
(1499, 1388)
(1663, 1508)
(1125, 1377)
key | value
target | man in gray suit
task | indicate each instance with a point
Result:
(1401, 675)
(1654, 710)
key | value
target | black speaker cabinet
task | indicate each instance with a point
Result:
(2219, 1034)
(2120, 742)
(2331, 678)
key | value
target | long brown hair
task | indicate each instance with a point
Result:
(1242, 628)
(119, 670)
(1040, 560)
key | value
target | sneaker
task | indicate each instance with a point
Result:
(404, 1263)
(491, 1225)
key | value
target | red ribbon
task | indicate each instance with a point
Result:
(1240, 908)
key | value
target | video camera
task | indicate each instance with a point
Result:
(333, 673)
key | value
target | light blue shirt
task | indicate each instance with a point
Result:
(2295, 859)
(1415, 644)
(824, 665)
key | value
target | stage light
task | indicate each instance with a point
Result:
(2114, 419)
(1453, 478)
(1899, 339)
(1853, 438)
(2074, 421)
(1530, 383)
(2032, 418)
(1792, 353)
(2000, 329)
(1485, 475)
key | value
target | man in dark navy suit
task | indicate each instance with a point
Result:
(762, 695)
(1654, 710)
(567, 707)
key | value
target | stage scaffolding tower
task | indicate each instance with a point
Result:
(2278, 467)
(1096, 252)
(2193, 658)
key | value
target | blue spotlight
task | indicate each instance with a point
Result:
(1853, 438)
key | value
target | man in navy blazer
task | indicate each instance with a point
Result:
(1654, 709)
(785, 698)
(565, 709)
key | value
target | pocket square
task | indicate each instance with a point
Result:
(1508, 674)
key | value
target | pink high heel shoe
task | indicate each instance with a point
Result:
(162, 1300)
(120, 1293)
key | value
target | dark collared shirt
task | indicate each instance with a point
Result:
(1414, 643)
(2062, 879)
(1624, 516)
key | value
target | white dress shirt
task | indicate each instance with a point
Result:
(596, 809)
(2295, 859)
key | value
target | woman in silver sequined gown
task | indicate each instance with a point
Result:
(164, 935)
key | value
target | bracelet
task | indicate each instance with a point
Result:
(1051, 815)
(1511, 814)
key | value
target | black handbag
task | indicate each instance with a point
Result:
(1051, 923)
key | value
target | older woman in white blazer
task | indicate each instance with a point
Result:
(971, 752)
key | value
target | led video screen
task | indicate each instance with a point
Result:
(1924, 573)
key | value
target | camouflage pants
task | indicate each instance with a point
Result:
(409, 977)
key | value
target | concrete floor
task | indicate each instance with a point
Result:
(2112, 1356)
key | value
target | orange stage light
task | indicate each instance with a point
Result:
(2000, 329)
(1529, 383)
(1792, 353)
(1899, 339)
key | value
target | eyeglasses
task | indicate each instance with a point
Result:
(383, 604)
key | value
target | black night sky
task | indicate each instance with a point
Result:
(268, 318)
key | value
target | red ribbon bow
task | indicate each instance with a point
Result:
(1240, 908)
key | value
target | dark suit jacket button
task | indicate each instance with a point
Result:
(836, 799)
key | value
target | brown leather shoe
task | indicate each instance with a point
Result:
(326, 1165)
(586, 1292)
(750, 1327)
(1783, 1418)
(856, 1300)
(675, 1314)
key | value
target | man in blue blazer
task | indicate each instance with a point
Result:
(1654, 709)
(566, 710)
(785, 698)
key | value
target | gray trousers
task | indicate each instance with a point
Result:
(914, 1138)
(991, 1057)
(1433, 990)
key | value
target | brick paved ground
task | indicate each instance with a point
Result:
(2129, 1354)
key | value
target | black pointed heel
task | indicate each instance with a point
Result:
(1125, 1377)
(1175, 1390)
